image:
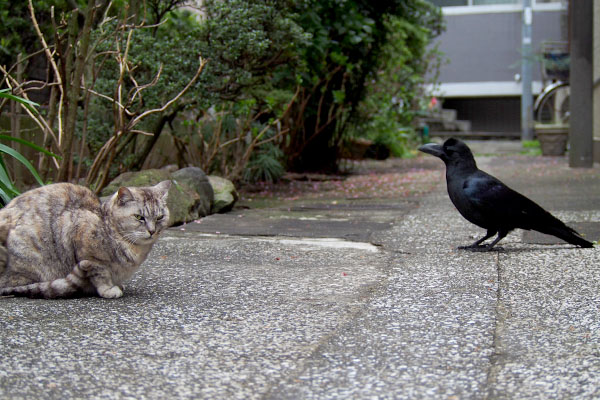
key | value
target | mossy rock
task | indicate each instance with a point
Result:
(225, 194)
(196, 179)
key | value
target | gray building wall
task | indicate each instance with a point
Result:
(481, 47)
(596, 93)
(484, 55)
(486, 47)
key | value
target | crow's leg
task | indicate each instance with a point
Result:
(476, 245)
(487, 247)
(501, 235)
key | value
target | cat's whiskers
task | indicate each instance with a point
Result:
(131, 237)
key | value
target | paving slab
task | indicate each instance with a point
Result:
(309, 221)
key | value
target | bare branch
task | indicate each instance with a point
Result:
(137, 119)
(50, 58)
(138, 89)
(41, 122)
(103, 96)
(141, 132)
(46, 48)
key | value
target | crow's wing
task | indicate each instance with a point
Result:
(499, 204)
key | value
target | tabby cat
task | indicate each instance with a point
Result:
(59, 240)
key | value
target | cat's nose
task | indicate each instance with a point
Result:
(151, 229)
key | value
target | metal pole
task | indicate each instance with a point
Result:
(526, 74)
(581, 135)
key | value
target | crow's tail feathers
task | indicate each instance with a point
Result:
(568, 235)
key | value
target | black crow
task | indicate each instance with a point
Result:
(489, 203)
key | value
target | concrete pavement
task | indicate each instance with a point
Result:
(330, 299)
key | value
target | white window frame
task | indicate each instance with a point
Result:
(501, 8)
(480, 89)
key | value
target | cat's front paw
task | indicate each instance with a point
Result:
(113, 292)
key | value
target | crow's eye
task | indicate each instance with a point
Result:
(138, 217)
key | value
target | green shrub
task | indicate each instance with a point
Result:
(8, 190)
(363, 71)
(265, 165)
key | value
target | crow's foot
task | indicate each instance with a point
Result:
(480, 248)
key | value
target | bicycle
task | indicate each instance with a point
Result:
(552, 105)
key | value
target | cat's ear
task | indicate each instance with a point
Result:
(124, 195)
(163, 189)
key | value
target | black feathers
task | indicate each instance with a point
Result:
(487, 202)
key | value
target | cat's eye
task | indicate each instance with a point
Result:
(138, 217)
(160, 217)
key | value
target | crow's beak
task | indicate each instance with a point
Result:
(433, 149)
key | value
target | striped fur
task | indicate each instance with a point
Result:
(61, 241)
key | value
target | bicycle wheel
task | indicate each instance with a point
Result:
(553, 106)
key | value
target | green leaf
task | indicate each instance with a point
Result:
(22, 160)
(5, 197)
(355, 39)
(339, 96)
(4, 93)
(32, 145)
(5, 183)
(339, 58)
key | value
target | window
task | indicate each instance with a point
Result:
(450, 3)
(488, 2)
(453, 3)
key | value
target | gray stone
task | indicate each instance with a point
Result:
(196, 179)
(183, 201)
(225, 194)
(170, 168)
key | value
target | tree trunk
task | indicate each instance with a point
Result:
(315, 130)
(72, 88)
(318, 155)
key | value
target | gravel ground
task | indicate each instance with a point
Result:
(336, 292)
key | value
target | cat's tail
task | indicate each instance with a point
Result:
(58, 288)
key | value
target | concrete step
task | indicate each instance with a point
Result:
(474, 134)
